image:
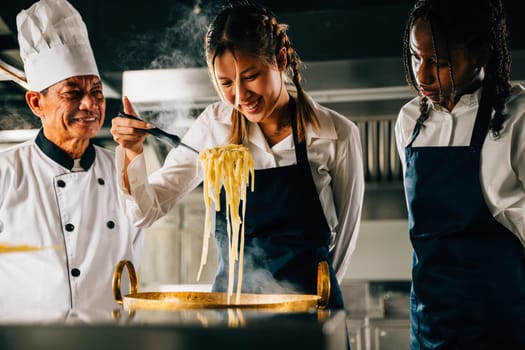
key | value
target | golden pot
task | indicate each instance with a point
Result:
(214, 300)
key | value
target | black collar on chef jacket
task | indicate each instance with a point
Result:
(61, 157)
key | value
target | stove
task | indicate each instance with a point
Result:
(230, 329)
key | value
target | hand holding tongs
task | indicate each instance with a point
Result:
(172, 140)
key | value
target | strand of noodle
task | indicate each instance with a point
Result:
(226, 178)
(231, 260)
(247, 170)
(240, 317)
(240, 168)
(235, 220)
(210, 179)
(207, 228)
(241, 258)
(218, 166)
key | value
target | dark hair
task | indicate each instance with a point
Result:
(469, 23)
(252, 29)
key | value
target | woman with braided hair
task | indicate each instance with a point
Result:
(309, 180)
(462, 146)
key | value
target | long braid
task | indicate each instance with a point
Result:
(304, 112)
(409, 74)
(499, 66)
(424, 111)
(420, 10)
(436, 52)
(453, 93)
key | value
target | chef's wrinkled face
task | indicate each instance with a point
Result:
(249, 83)
(72, 109)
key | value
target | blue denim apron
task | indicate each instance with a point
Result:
(468, 275)
(286, 232)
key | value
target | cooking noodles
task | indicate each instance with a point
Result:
(217, 300)
(230, 167)
(309, 176)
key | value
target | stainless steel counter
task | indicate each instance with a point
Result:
(190, 329)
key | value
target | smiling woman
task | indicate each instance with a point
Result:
(307, 162)
(256, 89)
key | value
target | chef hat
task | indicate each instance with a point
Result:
(54, 43)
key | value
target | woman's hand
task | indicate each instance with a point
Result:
(129, 133)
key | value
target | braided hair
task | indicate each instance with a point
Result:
(469, 23)
(252, 29)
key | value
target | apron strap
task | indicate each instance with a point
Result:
(301, 154)
(483, 115)
(415, 133)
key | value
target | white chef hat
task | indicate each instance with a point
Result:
(54, 43)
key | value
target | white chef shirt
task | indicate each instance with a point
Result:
(76, 215)
(502, 159)
(335, 158)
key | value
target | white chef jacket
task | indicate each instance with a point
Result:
(502, 170)
(335, 158)
(76, 214)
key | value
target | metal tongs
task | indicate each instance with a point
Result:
(170, 139)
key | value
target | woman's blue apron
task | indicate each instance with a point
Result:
(286, 232)
(468, 287)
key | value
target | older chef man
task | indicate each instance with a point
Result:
(58, 191)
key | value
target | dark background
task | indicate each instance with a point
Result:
(140, 34)
(133, 34)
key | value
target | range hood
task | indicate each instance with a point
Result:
(327, 82)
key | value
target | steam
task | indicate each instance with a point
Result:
(181, 45)
(261, 281)
(170, 117)
(257, 278)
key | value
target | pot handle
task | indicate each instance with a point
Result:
(117, 294)
(323, 284)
